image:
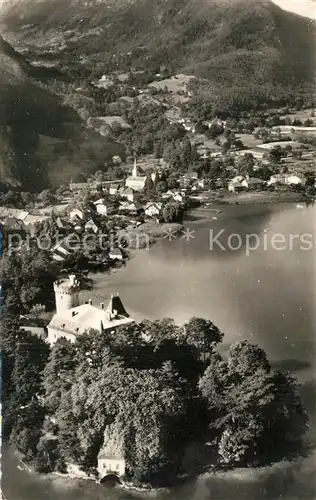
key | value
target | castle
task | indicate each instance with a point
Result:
(72, 319)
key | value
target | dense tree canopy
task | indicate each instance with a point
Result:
(157, 385)
(252, 407)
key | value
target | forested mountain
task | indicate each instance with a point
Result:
(249, 50)
(225, 41)
(28, 111)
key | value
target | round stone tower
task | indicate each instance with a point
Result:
(66, 293)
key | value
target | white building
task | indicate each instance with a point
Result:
(114, 189)
(116, 254)
(91, 226)
(60, 252)
(111, 457)
(178, 197)
(76, 213)
(166, 196)
(130, 207)
(102, 208)
(72, 319)
(127, 193)
(286, 179)
(110, 464)
(136, 181)
(153, 209)
(235, 186)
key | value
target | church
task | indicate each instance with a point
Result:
(136, 181)
(72, 319)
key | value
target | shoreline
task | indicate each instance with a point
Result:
(152, 231)
(241, 474)
(260, 197)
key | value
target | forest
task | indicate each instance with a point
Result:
(154, 387)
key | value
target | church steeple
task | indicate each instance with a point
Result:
(135, 169)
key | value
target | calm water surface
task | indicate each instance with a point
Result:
(267, 297)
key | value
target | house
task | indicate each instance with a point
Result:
(136, 181)
(235, 184)
(201, 183)
(22, 215)
(252, 183)
(114, 189)
(102, 208)
(111, 458)
(187, 125)
(110, 464)
(286, 179)
(72, 320)
(128, 193)
(116, 254)
(60, 252)
(90, 225)
(153, 209)
(187, 179)
(237, 178)
(76, 222)
(76, 213)
(295, 180)
(126, 206)
(166, 196)
(178, 197)
(62, 224)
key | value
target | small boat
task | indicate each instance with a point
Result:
(299, 205)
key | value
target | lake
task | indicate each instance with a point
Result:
(266, 295)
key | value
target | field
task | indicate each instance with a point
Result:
(248, 140)
(174, 85)
(303, 114)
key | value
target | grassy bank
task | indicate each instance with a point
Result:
(148, 233)
(261, 197)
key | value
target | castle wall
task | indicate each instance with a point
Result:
(54, 335)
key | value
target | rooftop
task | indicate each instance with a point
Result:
(80, 319)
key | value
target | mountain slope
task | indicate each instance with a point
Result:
(29, 116)
(26, 109)
(223, 41)
(245, 49)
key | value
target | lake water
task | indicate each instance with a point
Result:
(267, 296)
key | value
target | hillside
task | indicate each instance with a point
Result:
(27, 109)
(244, 52)
(226, 42)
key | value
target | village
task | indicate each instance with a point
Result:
(152, 393)
(148, 192)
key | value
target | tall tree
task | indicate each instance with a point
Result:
(203, 334)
